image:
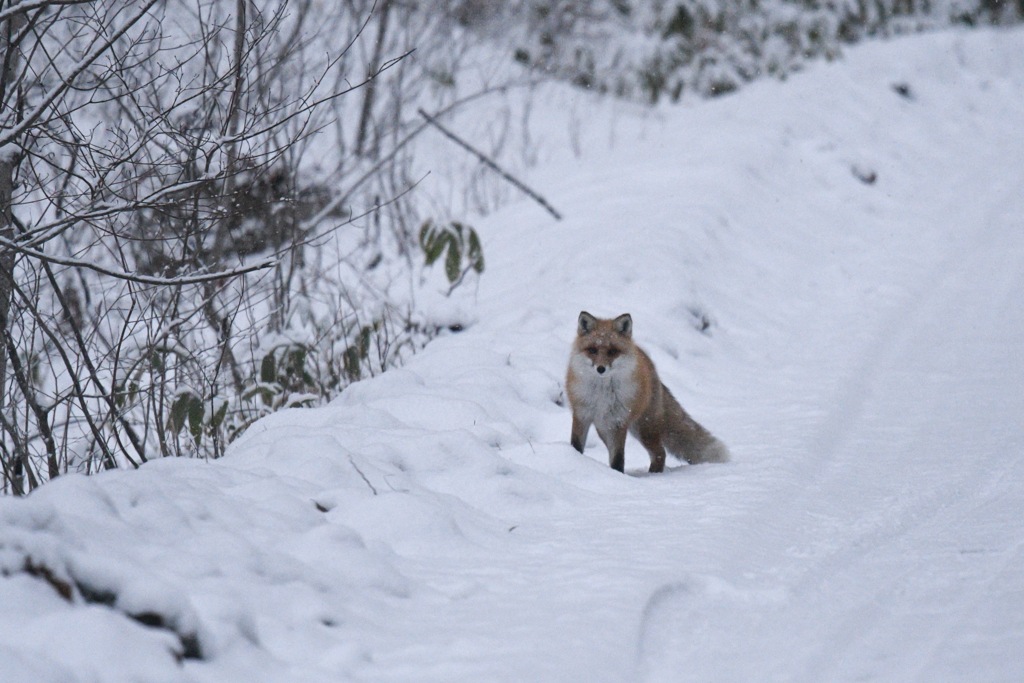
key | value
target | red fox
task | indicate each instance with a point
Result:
(612, 384)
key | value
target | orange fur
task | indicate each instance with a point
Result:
(613, 385)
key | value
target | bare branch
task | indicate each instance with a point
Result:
(487, 161)
(28, 5)
(32, 117)
(134, 277)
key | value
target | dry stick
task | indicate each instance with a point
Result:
(87, 359)
(371, 81)
(79, 391)
(14, 470)
(135, 277)
(30, 118)
(41, 413)
(491, 164)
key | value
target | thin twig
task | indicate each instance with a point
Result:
(135, 277)
(31, 117)
(492, 165)
(362, 476)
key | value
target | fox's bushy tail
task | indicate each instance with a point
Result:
(687, 439)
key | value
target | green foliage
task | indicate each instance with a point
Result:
(358, 351)
(287, 375)
(458, 243)
(188, 410)
(128, 393)
(285, 371)
(286, 378)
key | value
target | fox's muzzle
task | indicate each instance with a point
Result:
(600, 369)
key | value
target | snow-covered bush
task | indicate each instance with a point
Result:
(655, 49)
(206, 218)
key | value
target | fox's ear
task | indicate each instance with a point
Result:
(586, 323)
(624, 324)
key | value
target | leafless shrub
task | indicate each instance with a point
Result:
(173, 176)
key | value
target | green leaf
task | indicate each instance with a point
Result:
(195, 418)
(296, 362)
(476, 251)
(365, 335)
(452, 263)
(435, 247)
(425, 231)
(268, 369)
(133, 393)
(352, 362)
(217, 419)
(179, 412)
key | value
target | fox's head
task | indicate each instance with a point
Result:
(603, 342)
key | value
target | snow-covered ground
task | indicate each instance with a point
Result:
(864, 362)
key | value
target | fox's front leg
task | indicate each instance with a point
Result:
(580, 428)
(615, 440)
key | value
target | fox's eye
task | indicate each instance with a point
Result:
(591, 350)
(613, 353)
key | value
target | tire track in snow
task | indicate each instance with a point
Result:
(887, 476)
(965, 300)
(667, 643)
(982, 495)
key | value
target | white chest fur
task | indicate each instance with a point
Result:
(604, 399)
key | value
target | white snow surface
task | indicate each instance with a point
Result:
(864, 364)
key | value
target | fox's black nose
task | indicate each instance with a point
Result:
(600, 369)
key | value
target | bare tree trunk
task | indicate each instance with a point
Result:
(230, 130)
(6, 265)
(221, 324)
(14, 469)
(371, 83)
(9, 99)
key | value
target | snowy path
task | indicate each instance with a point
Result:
(889, 548)
(865, 364)
(896, 546)
(873, 536)
(881, 542)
